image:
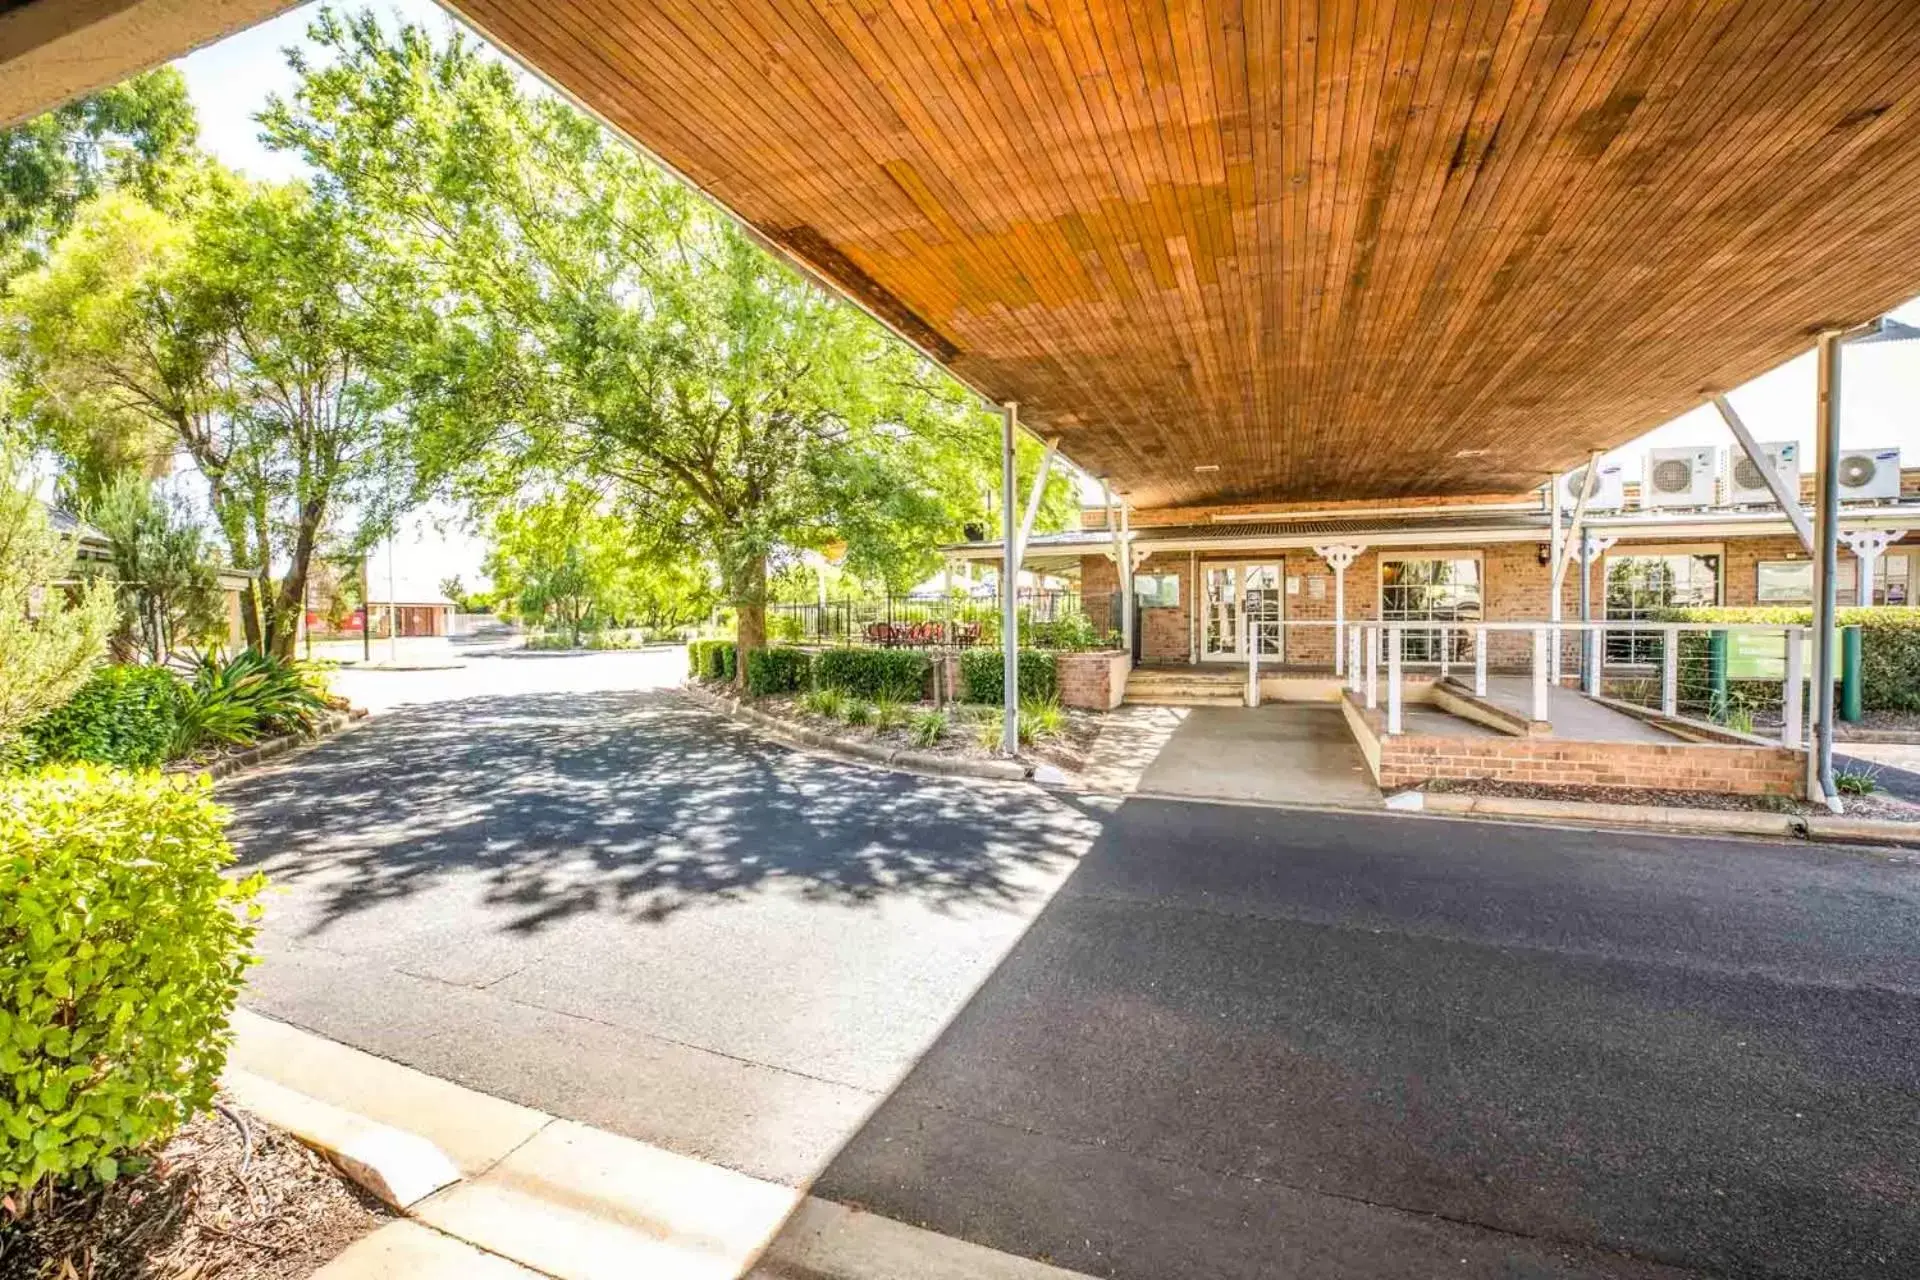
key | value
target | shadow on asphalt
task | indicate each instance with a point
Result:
(626, 804)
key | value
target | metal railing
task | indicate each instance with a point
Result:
(1748, 678)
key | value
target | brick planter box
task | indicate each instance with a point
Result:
(1093, 681)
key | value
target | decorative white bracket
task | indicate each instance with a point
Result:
(1340, 556)
(1597, 545)
(1138, 556)
(1868, 545)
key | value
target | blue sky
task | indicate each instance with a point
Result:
(230, 81)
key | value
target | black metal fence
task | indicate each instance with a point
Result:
(909, 622)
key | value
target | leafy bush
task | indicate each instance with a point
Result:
(121, 954)
(1074, 632)
(859, 712)
(927, 728)
(1889, 646)
(982, 678)
(899, 674)
(127, 716)
(830, 703)
(785, 628)
(778, 671)
(245, 698)
(711, 659)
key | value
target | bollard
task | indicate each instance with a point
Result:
(1852, 644)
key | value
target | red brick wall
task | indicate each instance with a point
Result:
(1093, 680)
(1406, 759)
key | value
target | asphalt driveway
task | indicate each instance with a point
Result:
(1144, 1040)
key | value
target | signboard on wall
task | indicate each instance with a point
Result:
(1762, 655)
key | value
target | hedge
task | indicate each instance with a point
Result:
(1889, 645)
(122, 948)
(983, 675)
(124, 715)
(896, 674)
(711, 660)
(778, 671)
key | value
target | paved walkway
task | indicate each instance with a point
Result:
(1573, 714)
(1140, 1040)
(1282, 753)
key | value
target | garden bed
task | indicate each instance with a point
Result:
(967, 725)
(1869, 806)
(227, 1198)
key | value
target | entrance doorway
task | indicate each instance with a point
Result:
(1243, 605)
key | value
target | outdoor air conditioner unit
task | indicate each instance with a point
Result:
(1869, 474)
(1678, 478)
(1609, 492)
(1747, 484)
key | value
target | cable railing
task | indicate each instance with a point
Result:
(1749, 679)
(1048, 618)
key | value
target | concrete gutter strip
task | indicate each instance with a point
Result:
(543, 1196)
(1726, 821)
(1845, 830)
(331, 723)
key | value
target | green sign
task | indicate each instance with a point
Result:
(1762, 655)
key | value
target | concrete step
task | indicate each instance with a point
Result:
(1159, 699)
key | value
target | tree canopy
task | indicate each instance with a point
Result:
(600, 321)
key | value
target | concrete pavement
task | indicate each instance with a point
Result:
(1145, 1040)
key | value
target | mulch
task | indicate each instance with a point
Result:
(228, 1198)
(1068, 751)
(1870, 806)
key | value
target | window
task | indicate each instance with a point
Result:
(1791, 581)
(1639, 587)
(1157, 590)
(1430, 591)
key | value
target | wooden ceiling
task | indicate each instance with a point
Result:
(1335, 249)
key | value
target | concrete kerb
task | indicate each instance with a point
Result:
(331, 723)
(801, 737)
(532, 1194)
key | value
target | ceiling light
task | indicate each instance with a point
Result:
(1208, 466)
(1470, 453)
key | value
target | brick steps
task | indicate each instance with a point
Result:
(1184, 700)
(1148, 687)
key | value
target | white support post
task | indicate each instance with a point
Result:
(1009, 585)
(1791, 734)
(1125, 566)
(1370, 636)
(1670, 671)
(1339, 557)
(1443, 653)
(1556, 548)
(1789, 502)
(1353, 657)
(1480, 663)
(1393, 679)
(1593, 547)
(1253, 665)
(1540, 705)
(1868, 545)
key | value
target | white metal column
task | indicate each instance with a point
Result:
(1868, 545)
(1393, 679)
(1009, 584)
(1826, 559)
(1340, 557)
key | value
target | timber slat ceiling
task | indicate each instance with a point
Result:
(1331, 249)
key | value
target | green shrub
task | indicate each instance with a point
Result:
(711, 659)
(889, 713)
(1889, 646)
(121, 954)
(127, 716)
(1856, 782)
(927, 728)
(982, 675)
(899, 674)
(859, 712)
(1075, 632)
(778, 671)
(830, 703)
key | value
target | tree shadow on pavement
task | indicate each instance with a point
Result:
(628, 804)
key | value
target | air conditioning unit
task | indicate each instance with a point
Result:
(1747, 484)
(1678, 477)
(1609, 492)
(1869, 474)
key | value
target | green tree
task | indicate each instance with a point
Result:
(168, 587)
(259, 336)
(137, 135)
(53, 629)
(603, 322)
(561, 561)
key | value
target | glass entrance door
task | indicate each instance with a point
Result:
(1244, 604)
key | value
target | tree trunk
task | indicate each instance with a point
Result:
(750, 614)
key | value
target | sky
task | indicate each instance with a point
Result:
(230, 82)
